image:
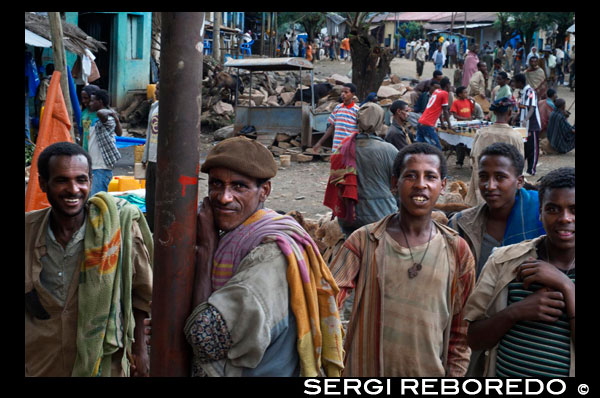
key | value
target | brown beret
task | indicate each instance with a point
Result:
(242, 155)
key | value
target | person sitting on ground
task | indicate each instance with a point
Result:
(88, 275)
(527, 289)
(412, 277)
(560, 134)
(500, 131)
(262, 293)
(397, 134)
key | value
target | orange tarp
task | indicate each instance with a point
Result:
(55, 127)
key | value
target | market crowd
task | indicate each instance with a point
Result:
(483, 290)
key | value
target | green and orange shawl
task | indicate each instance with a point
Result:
(105, 320)
(312, 288)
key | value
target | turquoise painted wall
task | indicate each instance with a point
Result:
(130, 52)
(130, 69)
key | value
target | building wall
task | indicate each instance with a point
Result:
(129, 52)
(130, 67)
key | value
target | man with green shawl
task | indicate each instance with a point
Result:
(88, 275)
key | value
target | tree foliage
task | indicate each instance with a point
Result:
(411, 30)
(527, 23)
(312, 22)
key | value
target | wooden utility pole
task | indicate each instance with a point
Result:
(267, 34)
(262, 31)
(217, 21)
(178, 159)
(60, 61)
(274, 35)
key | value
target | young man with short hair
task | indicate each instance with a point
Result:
(536, 77)
(397, 134)
(502, 90)
(500, 131)
(477, 85)
(437, 107)
(509, 213)
(343, 119)
(462, 107)
(412, 277)
(522, 310)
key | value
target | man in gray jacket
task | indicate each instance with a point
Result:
(149, 159)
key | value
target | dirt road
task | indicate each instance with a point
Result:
(301, 186)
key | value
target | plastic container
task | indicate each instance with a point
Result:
(150, 90)
(138, 153)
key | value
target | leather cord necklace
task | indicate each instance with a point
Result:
(416, 267)
(569, 267)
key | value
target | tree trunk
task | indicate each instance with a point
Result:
(370, 62)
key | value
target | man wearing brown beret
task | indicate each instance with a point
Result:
(256, 307)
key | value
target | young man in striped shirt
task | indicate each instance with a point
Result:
(523, 307)
(343, 120)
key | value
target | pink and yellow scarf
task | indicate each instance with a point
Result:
(312, 287)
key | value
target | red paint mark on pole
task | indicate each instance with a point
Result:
(185, 180)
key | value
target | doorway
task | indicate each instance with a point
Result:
(100, 27)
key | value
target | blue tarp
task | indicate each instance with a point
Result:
(124, 142)
(74, 100)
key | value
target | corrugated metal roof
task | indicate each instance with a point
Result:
(270, 64)
(472, 17)
(416, 16)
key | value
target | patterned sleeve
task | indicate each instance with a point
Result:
(207, 334)
(459, 352)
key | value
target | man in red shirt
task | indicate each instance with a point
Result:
(462, 107)
(437, 107)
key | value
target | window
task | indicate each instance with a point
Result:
(136, 35)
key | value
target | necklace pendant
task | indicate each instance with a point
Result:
(414, 270)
